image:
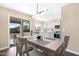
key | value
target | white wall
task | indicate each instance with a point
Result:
(4, 30)
(70, 25)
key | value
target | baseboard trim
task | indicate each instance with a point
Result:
(77, 53)
(4, 48)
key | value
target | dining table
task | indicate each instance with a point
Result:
(46, 45)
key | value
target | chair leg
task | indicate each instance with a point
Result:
(28, 54)
(21, 53)
(16, 53)
(26, 50)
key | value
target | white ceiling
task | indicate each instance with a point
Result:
(54, 9)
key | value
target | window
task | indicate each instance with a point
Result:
(14, 25)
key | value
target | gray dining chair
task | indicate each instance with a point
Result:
(63, 47)
(22, 47)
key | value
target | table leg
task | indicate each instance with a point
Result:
(26, 50)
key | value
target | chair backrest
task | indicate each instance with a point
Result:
(66, 40)
(21, 41)
(62, 48)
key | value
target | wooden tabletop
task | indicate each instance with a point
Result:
(53, 44)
